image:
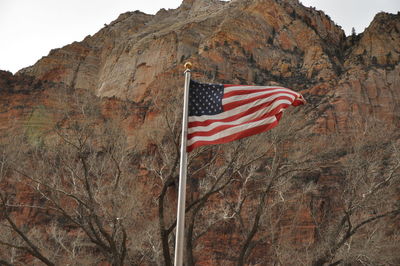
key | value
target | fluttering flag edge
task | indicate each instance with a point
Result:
(240, 135)
(263, 126)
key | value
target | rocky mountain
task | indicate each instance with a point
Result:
(136, 62)
(254, 42)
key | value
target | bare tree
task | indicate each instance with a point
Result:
(214, 171)
(79, 179)
(265, 192)
(25, 242)
(74, 193)
(352, 218)
(210, 171)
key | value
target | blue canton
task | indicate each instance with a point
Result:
(205, 99)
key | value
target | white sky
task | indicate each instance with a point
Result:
(29, 29)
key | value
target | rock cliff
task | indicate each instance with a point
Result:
(279, 39)
(138, 58)
(237, 42)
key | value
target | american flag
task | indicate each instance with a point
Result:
(222, 113)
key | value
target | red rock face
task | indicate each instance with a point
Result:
(137, 60)
(250, 42)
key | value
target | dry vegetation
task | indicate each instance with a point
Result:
(78, 194)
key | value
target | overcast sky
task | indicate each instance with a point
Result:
(29, 29)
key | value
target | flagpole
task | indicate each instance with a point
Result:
(180, 219)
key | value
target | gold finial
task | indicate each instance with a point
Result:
(188, 65)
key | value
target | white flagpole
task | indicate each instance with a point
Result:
(180, 219)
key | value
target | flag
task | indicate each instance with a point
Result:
(222, 113)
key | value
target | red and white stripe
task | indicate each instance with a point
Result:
(248, 110)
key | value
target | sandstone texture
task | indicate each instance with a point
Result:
(249, 42)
